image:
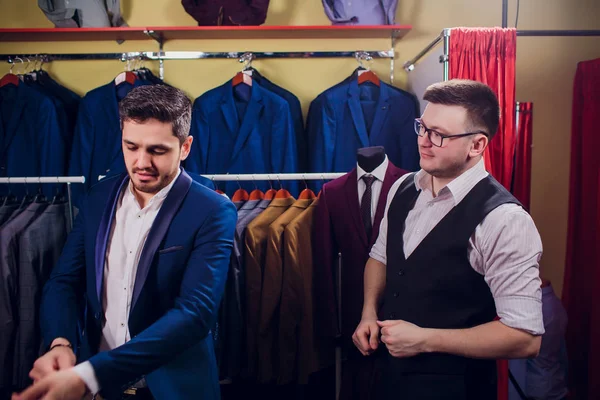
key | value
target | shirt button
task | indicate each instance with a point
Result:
(401, 272)
(122, 324)
(124, 288)
(396, 294)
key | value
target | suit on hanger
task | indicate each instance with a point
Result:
(96, 146)
(83, 14)
(227, 12)
(31, 143)
(178, 287)
(6, 212)
(361, 12)
(40, 245)
(350, 116)
(268, 325)
(239, 135)
(297, 353)
(9, 288)
(254, 261)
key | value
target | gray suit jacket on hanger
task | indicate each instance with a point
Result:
(361, 12)
(83, 13)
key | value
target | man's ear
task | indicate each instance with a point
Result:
(478, 145)
(186, 147)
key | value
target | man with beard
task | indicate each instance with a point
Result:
(139, 282)
(455, 250)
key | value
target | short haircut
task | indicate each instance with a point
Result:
(161, 102)
(477, 98)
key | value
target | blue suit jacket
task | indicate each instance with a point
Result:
(337, 126)
(31, 143)
(96, 146)
(263, 142)
(179, 284)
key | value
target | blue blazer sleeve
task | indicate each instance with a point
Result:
(193, 312)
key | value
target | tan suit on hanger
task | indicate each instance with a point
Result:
(268, 359)
(254, 259)
(297, 351)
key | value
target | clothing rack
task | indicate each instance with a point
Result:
(275, 177)
(50, 179)
(199, 55)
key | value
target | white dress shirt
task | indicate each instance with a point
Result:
(379, 174)
(128, 235)
(505, 247)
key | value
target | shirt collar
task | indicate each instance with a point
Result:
(460, 186)
(378, 172)
(161, 195)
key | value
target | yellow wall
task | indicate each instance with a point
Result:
(545, 70)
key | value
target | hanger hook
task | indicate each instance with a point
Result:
(22, 62)
(280, 185)
(238, 182)
(246, 58)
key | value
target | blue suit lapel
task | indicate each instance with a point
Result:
(356, 112)
(104, 231)
(8, 135)
(159, 229)
(250, 120)
(381, 112)
(228, 108)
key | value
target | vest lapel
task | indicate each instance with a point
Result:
(104, 231)
(391, 175)
(159, 229)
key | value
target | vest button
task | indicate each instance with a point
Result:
(392, 316)
(97, 315)
(401, 272)
(396, 294)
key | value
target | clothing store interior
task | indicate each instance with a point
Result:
(309, 116)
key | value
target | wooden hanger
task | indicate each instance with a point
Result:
(241, 77)
(270, 194)
(306, 194)
(126, 76)
(283, 194)
(257, 194)
(368, 76)
(240, 195)
(9, 79)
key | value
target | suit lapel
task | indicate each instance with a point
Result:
(356, 113)
(104, 231)
(250, 121)
(380, 112)
(351, 189)
(15, 118)
(158, 231)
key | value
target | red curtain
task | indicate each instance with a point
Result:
(582, 269)
(522, 173)
(488, 55)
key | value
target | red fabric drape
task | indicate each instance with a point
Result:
(488, 55)
(522, 173)
(582, 269)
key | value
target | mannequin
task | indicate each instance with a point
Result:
(369, 158)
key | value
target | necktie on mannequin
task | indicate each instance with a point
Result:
(365, 205)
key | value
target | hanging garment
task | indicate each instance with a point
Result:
(227, 12)
(83, 13)
(97, 148)
(298, 357)
(31, 142)
(350, 116)
(9, 289)
(6, 212)
(242, 130)
(361, 12)
(254, 261)
(268, 324)
(40, 246)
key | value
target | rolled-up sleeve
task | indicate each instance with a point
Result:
(507, 250)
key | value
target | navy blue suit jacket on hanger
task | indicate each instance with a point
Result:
(31, 142)
(259, 141)
(350, 116)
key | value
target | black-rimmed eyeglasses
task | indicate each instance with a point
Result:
(436, 138)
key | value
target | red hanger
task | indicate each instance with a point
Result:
(9, 79)
(220, 191)
(240, 195)
(126, 76)
(241, 77)
(270, 194)
(368, 76)
(256, 195)
(306, 194)
(283, 194)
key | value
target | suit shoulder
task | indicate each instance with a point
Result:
(98, 94)
(338, 183)
(200, 194)
(210, 95)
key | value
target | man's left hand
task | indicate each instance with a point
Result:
(62, 385)
(402, 338)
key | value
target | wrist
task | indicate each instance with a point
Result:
(60, 340)
(431, 340)
(369, 313)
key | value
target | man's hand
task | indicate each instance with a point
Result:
(57, 359)
(402, 338)
(366, 336)
(62, 385)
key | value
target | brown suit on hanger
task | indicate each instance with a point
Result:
(254, 259)
(268, 359)
(297, 351)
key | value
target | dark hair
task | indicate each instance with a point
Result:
(477, 98)
(161, 102)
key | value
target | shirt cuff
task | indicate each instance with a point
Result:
(378, 255)
(524, 313)
(88, 376)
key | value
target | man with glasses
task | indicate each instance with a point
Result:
(455, 251)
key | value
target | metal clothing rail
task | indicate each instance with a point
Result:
(50, 179)
(275, 177)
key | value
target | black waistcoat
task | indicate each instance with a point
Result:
(436, 287)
